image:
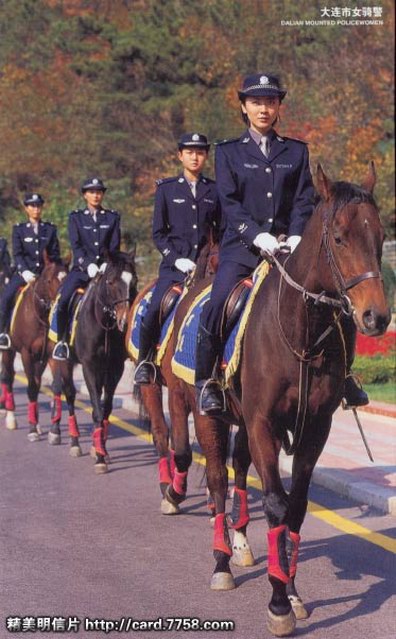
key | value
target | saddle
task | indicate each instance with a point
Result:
(234, 306)
(168, 302)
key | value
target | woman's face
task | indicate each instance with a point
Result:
(262, 112)
(93, 198)
(34, 212)
(193, 159)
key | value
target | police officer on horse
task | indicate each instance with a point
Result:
(93, 231)
(29, 240)
(186, 208)
(265, 189)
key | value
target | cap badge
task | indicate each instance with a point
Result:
(195, 137)
(35, 197)
(95, 181)
(264, 79)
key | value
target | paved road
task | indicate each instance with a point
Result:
(74, 545)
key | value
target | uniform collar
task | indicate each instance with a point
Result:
(278, 145)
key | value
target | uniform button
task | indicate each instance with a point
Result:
(95, 230)
(37, 263)
(195, 245)
(96, 243)
(268, 169)
(270, 219)
(97, 257)
(269, 194)
(36, 241)
(194, 226)
(194, 206)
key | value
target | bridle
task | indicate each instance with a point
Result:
(109, 309)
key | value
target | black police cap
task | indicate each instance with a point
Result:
(93, 184)
(33, 198)
(193, 140)
(262, 85)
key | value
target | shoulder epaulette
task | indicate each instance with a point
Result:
(113, 211)
(226, 141)
(284, 137)
(165, 180)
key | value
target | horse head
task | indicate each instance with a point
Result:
(352, 239)
(50, 279)
(118, 285)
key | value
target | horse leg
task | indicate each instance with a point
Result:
(94, 379)
(304, 462)
(33, 370)
(213, 439)
(7, 381)
(179, 410)
(152, 400)
(111, 380)
(241, 551)
(69, 390)
(264, 449)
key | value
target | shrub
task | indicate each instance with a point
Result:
(375, 370)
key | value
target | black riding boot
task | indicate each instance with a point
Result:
(210, 395)
(61, 348)
(354, 395)
(5, 342)
(146, 370)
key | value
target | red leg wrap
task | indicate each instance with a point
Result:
(221, 540)
(73, 428)
(164, 474)
(275, 568)
(3, 393)
(180, 482)
(98, 442)
(295, 542)
(105, 429)
(56, 410)
(172, 464)
(240, 514)
(9, 401)
(33, 413)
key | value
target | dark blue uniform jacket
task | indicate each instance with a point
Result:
(89, 239)
(181, 222)
(260, 194)
(27, 246)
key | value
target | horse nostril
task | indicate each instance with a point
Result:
(370, 319)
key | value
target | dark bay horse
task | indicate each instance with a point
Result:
(99, 347)
(29, 337)
(292, 372)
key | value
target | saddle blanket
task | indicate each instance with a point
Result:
(166, 329)
(183, 361)
(17, 304)
(72, 319)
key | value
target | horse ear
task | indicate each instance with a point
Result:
(323, 184)
(67, 260)
(132, 251)
(370, 179)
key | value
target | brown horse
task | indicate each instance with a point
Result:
(291, 377)
(29, 337)
(99, 348)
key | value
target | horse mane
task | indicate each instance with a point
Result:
(343, 193)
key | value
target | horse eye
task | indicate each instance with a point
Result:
(337, 240)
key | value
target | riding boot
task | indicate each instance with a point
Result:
(354, 395)
(5, 342)
(61, 349)
(210, 395)
(146, 371)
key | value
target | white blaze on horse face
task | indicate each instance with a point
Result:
(126, 277)
(61, 275)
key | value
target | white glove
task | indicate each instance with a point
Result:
(92, 270)
(293, 241)
(28, 276)
(184, 265)
(266, 242)
(103, 267)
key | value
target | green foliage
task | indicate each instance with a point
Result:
(382, 392)
(389, 283)
(375, 370)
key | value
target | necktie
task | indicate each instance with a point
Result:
(193, 186)
(265, 146)
(35, 228)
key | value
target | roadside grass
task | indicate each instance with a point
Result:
(382, 392)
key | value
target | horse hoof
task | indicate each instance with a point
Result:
(281, 625)
(54, 439)
(101, 469)
(75, 451)
(33, 437)
(242, 557)
(92, 453)
(299, 609)
(222, 581)
(169, 509)
(11, 422)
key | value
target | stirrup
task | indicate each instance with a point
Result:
(153, 366)
(364, 399)
(64, 356)
(7, 345)
(213, 381)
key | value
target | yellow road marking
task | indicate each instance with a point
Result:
(316, 510)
